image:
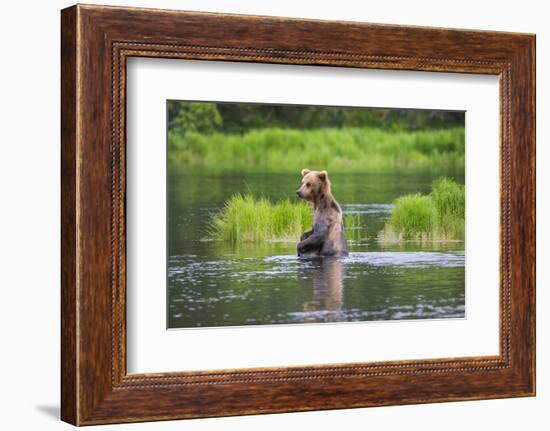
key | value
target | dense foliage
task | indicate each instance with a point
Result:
(206, 117)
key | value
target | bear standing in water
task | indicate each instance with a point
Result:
(327, 236)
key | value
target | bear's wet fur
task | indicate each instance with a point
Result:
(327, 236)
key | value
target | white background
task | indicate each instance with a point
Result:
(151, 348)
(29, 228)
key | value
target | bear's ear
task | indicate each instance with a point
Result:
(323, 175)
(305, 172)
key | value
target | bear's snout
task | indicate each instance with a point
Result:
(299, 193)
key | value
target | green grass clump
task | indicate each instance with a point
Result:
(438, 216)
(449, 201)
(245, 219)
(336, 149)
(412, 215)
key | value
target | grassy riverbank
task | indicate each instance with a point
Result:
(245, 219)
(345, 149)
(438, 216)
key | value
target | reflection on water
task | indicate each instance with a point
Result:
(327, 284)
(214, 284)
(285, 289)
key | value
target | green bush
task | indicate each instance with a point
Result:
(438, 216)
(413, 215)
(244, 219)
(194, 117)
(449, 201)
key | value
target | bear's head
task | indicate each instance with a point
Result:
(315, 184)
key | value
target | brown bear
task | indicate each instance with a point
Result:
(327, 236)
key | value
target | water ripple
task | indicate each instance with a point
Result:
(417, 259)
(367, 208)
